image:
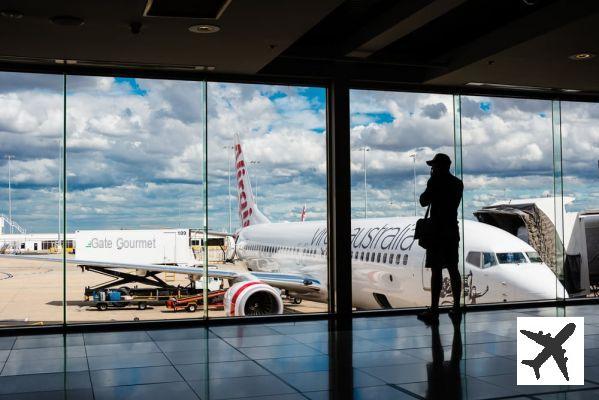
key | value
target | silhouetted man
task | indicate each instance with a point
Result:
(443, 194)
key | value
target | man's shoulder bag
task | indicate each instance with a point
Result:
(424, 230)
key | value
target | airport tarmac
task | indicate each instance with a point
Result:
(31, 294)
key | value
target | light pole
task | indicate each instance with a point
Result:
(229, 148)
(256, 180)
(413, 155)
(9, 157)
(364, 150)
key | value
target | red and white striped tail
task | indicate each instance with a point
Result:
(248, 211)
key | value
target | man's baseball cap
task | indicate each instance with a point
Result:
(440, 159)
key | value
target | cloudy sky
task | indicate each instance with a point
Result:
(135, 150)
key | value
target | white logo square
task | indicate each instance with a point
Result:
(550, 351)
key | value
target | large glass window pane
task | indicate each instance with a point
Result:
(580, 158)
(392, 136)
(135, 207)
(267, 197)
(31, 132)
(509, 203)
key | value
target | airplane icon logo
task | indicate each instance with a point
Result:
(568, 340)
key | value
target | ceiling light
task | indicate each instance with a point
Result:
(210, 68)
(67, 20)
(14, 14)
(581, 56)
(204, 28)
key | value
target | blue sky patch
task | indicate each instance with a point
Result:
(485, 106)
(134, 86)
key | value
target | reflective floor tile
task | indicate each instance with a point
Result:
(242, 331)
(47, 353)
(127, 361)
(471, 389)
(76, 394)
(300, 328)
(254, 386)
(405, 373)
(257, 341)
(6, 343)
(293, 350)
(44, 366)
(381, 393)
(319, 380)
(290, 396)
(121, 348)
(115, 337)
(487, 366)
(195, 357)
(134, 376)
(30, 342)
(4, 355)
(178, 334)
(157, 391)
(380, 358)
(296, 364)
(44, 382)
(231, 369)
(574, 395)
(510, 381)
(183, 344)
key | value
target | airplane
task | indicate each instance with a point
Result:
(552, 348)
(387, 263)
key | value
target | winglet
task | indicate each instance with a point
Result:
(531, 363)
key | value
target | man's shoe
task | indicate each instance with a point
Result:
(429, 317)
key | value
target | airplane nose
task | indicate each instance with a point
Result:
(538, 282)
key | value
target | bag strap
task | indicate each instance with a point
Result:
(427, 211)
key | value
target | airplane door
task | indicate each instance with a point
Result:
(426, 275)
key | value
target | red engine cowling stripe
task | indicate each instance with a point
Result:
(236, 295)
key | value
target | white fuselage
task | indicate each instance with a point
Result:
(388, 264)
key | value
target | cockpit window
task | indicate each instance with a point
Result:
(511, 258)
(489, 260)
(474, 258)
(534, 257)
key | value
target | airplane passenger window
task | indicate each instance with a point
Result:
(474, 258)
(511, 258)
(405, 259)
(384, 258)
(391, 258)
(367, 256)
(362, 256)
(378, 257)
(398, 259)
(372, 257)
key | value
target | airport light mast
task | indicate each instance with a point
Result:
(364, 150)
(256, 180)
(413, 156)
(9, 157)
(229, 148)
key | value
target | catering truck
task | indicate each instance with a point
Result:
(138, 246)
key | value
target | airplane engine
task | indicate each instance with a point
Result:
(252, 298)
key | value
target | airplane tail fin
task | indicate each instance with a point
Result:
(534, 366)
(249, 214)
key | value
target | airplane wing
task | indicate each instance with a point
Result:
(295, 282)
(560, 360)
(543, 340)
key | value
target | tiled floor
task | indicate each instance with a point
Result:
(392, 358)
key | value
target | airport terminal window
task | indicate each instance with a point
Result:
(135, 178)
(31, 133)
(507, 151)
(392, 135)
(267, 165)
